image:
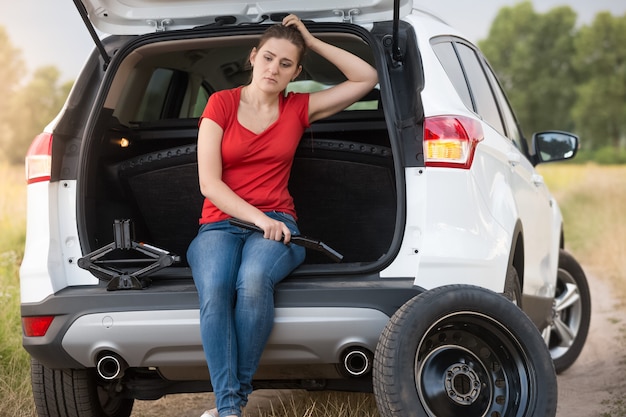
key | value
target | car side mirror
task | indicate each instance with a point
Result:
(554, 145)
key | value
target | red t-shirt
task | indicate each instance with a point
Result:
(257, 166)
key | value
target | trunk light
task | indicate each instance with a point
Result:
(36, 326)
(38, 162)
(450, 141)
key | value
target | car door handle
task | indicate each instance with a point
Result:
(537, 179)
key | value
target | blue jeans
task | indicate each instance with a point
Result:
(235, 271)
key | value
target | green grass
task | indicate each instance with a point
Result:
(592, 199)
(15, 392)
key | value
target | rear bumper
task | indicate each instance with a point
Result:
(161, 338)
(316, 320)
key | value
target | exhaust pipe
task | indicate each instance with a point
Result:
(357, 362)
(111, 366)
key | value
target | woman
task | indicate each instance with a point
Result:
(246, 143)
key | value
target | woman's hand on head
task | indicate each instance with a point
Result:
(293, 20)
(274, 229)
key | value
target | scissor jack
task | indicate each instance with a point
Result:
(123, 239)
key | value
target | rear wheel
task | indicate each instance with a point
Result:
(463, 350)
(571, 313)
(75, 392)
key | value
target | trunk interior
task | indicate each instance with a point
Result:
(142, 152)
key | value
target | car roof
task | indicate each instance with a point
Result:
(134, 17)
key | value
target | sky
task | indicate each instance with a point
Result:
(51, 32)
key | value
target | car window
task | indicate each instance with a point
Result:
(169, 94)
(449, 60)
(202, 97)
(512, 129)
(153, 100)
(480, 87)
(369, 102)
(159, 100)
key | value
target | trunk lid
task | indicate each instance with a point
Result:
(134, 17)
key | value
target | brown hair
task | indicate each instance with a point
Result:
(290, 33)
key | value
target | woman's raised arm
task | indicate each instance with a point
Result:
(361, 76)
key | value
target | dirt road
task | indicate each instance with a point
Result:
(594, 387)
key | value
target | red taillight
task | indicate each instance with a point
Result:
(39, 159)
(450, 141)
(36, 326)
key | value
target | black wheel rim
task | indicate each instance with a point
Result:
(468, 364)
(111, 405)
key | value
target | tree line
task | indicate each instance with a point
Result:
(26, 105)
(556, 75)
(560, 76)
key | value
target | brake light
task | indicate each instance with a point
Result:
(39, 159)
(36, 326)
(450, 141)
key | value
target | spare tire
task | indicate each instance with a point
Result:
(461, 350)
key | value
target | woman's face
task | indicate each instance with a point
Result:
(275, 64)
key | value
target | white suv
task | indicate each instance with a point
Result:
(425, 190)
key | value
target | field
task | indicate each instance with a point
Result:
(591, 197)
(15, 397)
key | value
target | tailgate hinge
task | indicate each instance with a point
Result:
(347, 16)
(160, 25)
